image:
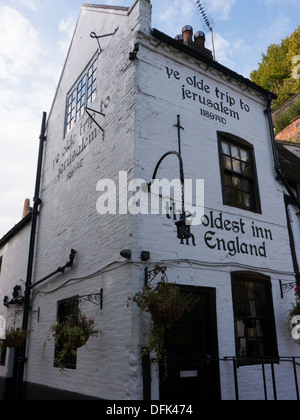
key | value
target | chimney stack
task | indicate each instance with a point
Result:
(199, 41)
(187, 34)
(26, 209)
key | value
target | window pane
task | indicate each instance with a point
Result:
(228, 194)
(245, 185)
(237, 197)
(227, 163)
(235, 152)
(228, 180)
(236, 165)
(236, 182)
(246, 170)
(247, 200)
(244, 155)
(225, 148)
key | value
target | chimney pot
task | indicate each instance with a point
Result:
(200, 39)
(187, 33)
(179, 38)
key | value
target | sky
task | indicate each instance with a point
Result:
(34, 39)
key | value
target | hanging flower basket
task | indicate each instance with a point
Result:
(164, 302)
(70, 335)
(14, 338)
(167, 305)
(168, 313)
(78, 340)
(294, 318)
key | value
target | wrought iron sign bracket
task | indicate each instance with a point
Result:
(95, 299)
(183, 228)
(150, 275)
(286, 287)
(36, 314)
(97, 37)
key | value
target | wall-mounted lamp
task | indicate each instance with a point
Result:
(126, 253)
(145, 256)
(17, 299)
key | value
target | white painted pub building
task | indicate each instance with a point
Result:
(131, 100)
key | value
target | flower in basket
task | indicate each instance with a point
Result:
(166, 304)
(14, 338)
(294, 318)
(71, 334)
(296, 308)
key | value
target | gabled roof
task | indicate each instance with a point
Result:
(105, 6)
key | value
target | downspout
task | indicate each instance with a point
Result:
(298, 190)
(292, 241)
(27, 295)
(292, 199)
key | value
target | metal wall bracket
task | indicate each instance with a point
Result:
(95, 299)
(151, 274)
(92, 118)
(97, 37)
(286, 287)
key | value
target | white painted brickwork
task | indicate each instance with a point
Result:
(141, 100)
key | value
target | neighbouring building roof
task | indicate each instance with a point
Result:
(16, 229)
(289, 158)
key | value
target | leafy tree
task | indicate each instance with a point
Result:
(276, 72)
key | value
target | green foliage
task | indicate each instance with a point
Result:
(164, 294)
(70, 335)
(14, 338)
(276, 70)
(166, 304)
(287, 117)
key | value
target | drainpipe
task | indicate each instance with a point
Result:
(298, 190)
(26, 314)
(292, 199)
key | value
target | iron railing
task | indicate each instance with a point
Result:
(272, 379)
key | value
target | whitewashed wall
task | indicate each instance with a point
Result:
(14, 255)
(141, 100)
(162, 73)
(69, 219)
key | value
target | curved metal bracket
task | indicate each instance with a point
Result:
(96, 299)
(183, 229)
(286, 287)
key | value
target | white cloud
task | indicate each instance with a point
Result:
(66, 27)
(20, 47)
(227, 51)
(220, 9)
(27, 83)
(30, 4)
(177, 15)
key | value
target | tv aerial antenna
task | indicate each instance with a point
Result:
(207, 21)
